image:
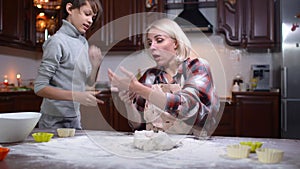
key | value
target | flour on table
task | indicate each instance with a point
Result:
(149, 140)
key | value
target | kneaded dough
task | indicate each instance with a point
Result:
(149, 140)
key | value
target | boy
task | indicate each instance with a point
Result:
(67, 66)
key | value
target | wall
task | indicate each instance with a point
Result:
(225, 61)
(13, 61)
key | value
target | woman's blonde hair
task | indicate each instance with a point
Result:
(172, 29)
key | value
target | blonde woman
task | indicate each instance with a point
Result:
(178, 94)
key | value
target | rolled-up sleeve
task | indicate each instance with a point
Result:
(198, 97)
(52, 53)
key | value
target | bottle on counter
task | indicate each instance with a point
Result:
(235, 87)
(238, 79)
(244, 87)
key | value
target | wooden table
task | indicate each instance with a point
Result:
(104, 149)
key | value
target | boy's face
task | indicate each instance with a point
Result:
(82, 18)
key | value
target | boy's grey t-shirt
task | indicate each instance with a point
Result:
(65, 65)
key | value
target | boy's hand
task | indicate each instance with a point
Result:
(95, 56)
(87, 98)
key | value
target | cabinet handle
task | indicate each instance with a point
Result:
(102, 30)
(130, 27)
(111, 33)
(135, 20)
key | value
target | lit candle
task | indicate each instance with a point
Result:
(18, 76)
(5, 81)
(19, 79)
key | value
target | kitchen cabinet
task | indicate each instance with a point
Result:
(16, 24)
(120, 29)
(247, 23)
(257, 114)
(25, 26)
(226, 126)
(104, 116)
(110, 112)
(119, 33)
(248, 114)
(25, 101)
(47, 19)
(31, 25)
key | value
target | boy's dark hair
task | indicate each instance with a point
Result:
(95, 5)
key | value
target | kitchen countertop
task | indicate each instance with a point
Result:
(229, 99)
(105, 149)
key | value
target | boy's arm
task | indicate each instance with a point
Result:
(96, 59)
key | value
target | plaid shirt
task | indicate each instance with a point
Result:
(196, 101)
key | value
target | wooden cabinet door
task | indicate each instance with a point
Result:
(98, 117)
(120, 26)
(122, 33)
(230, 16)
(105, 116)
(117, 27)
(226, 126)
(28, 102)
(6, 104)
(257, 116)
(11, 21)
(247, 23)
(106, 108)
(16, 23)
(19, 102)
(119, 112)
(260, 24)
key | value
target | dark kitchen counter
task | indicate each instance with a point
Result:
(102, 149)
(13, 92)
(19, 101)
(274, 92)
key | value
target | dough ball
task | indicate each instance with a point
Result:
(150, 140)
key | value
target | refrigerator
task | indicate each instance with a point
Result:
(290, 69)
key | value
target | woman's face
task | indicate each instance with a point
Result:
(161, 46)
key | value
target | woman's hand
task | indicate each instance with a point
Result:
(87, 98)
(133, 116)
(122, 83)
(95, 56)
(127, 96)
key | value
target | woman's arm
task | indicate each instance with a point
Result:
(133, 115)
(130, 83)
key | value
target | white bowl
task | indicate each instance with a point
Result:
(15, 127)
(269, 155)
